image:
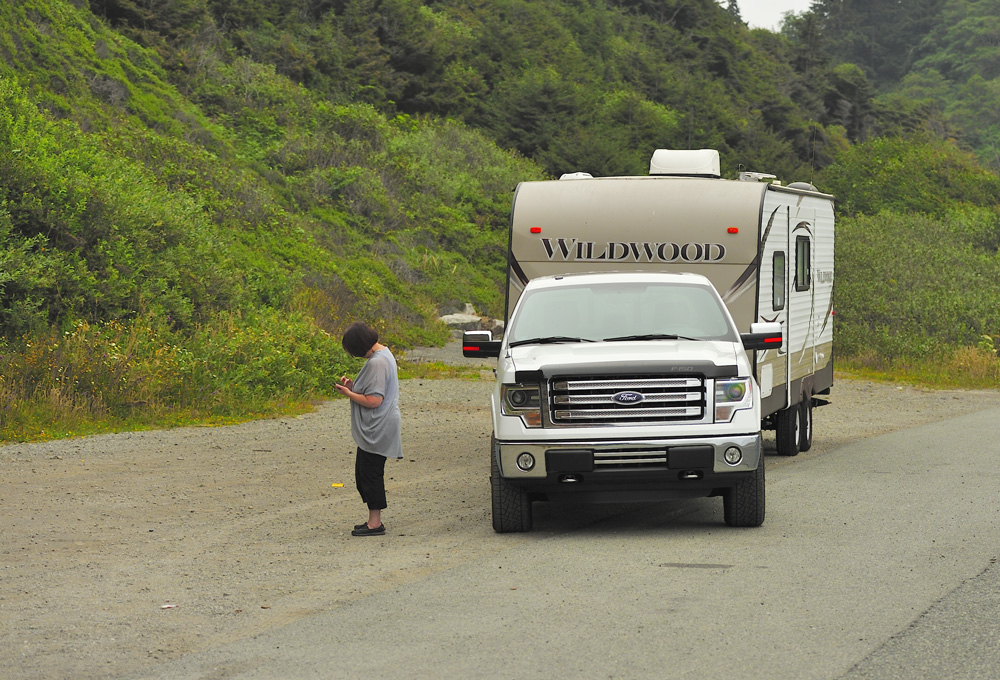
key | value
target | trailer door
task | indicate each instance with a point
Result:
(801, 301)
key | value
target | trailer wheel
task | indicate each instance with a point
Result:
(743, 504)
(806, 427)
(511, 504)
(788, 431)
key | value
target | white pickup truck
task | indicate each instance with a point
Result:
(620, 387)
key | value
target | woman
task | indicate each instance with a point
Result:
(375, 420)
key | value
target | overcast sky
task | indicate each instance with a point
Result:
(768, 13)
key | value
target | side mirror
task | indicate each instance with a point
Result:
(479, 344)
(762, 336)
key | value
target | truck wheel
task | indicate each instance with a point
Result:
(806, 427)
(788, 431)
(743, 504)
(511, 504)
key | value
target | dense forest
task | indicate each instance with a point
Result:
(197, 196)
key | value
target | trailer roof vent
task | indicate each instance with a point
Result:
(685, 163)
(576, 175)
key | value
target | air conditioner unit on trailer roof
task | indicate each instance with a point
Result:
(685, 163)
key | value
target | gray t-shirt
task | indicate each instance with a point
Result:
(378, 430)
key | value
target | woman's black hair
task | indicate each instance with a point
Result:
(359, 338)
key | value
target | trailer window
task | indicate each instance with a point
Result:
(778, 280)
(802, 268)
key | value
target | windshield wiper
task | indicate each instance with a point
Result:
(552, 339)
(652, 336)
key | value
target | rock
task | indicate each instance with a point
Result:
(472, 322)
(464, 322)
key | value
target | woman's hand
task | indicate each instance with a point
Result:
(346, 387)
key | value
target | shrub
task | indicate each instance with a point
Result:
(916, 286)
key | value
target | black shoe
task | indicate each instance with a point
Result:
(363, 525)
(365, 531)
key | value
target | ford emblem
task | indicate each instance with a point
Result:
(627, 398)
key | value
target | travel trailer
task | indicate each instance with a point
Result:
(768, 249)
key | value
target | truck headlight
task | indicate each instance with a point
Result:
(524, 401)
(732, 396)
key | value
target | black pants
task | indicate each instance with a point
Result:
(369, 475)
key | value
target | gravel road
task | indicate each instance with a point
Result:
(123, 550)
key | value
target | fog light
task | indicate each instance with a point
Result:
(526, 461)
(733, 455)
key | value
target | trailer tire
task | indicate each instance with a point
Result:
(511, 504)
(806, 426)
(743, 504)
(787, 431)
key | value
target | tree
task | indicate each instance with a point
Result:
(965, 42)
(884, 37)
(733, 8)
(848, 101)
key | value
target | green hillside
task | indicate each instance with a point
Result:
(196, 197)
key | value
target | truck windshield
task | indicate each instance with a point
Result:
(620, 311)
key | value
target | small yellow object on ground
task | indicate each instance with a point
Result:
(337, 485)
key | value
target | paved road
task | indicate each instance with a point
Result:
(876, 561)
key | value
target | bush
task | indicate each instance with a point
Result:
(255, 358)
(916, 286)
(105, 375)
(908, 174)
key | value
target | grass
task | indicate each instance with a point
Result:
(40, 421)
(966, 368)
(433, 370)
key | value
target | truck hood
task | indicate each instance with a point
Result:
(679, 357)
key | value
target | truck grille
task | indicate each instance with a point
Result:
(591, 400)
(630, 458)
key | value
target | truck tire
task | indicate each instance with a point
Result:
(788, 430)
(743, 504)
(806, 424)
(511, 504)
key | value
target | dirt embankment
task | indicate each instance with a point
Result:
(123, 549)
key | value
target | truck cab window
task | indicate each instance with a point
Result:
(621, 310)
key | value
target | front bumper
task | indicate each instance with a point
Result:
(629, 469)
